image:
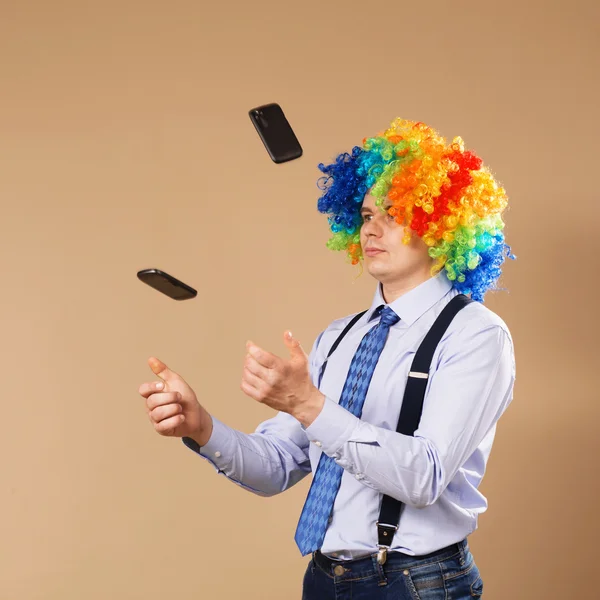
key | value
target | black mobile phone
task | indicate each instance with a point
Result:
(276, 133)
(167, 284)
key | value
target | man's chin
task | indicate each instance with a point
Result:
(376, 270)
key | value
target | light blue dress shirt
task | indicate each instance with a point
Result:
(436, 473)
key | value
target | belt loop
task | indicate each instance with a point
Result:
(380, 572)
(461, 549)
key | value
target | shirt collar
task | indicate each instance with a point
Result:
(410, 306)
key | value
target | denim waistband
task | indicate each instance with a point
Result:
(395, 561)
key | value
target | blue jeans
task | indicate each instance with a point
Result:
(450, 574)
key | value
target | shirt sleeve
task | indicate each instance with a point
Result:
(267, 462)
(466, 396)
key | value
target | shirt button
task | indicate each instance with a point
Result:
(317, 443)
(359, 476)
(217, 454)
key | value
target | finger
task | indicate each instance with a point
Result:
(146, 389)
(161, 399)
(256, 368)
(296, 350)
(253, 380)
(250, 390)
(159, 368)
(168, 426)
(266, 359)
(160, 413)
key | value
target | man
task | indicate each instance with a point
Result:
(397, 450)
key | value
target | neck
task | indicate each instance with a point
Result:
(392, 290)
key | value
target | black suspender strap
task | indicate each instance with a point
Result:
(412, 405)
(410, 413)
(346, 329)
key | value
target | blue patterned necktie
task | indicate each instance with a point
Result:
(328, 476)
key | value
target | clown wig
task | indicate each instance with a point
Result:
(442, 193)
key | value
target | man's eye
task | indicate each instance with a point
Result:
(366, 217)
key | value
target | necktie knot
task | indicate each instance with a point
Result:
(388, 316)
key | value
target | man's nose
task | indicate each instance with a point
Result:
(372, 228)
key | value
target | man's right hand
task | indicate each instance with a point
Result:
(172, 406)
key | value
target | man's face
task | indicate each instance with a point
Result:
(386, 257)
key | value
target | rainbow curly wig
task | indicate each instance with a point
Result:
(442, 193)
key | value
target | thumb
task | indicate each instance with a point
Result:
(159, 368)
(296, 350)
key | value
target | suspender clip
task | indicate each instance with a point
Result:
(382, 555)
(385, 534)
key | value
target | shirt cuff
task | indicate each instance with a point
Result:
(220, 447)
(332, 428)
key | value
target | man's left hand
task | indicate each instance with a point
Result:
(284, 385)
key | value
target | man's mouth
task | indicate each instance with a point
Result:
(372, 251)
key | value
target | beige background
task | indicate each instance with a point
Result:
(125, 144)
